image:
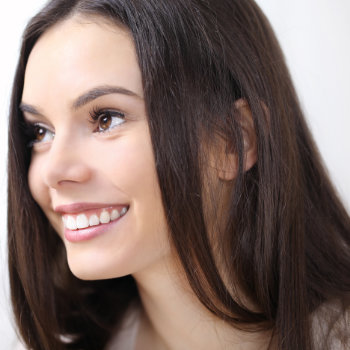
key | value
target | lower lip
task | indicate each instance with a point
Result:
(88, 233)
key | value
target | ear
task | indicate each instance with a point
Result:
(228, 160)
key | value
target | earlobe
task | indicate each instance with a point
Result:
(228, 167)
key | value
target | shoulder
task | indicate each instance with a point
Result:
(331, 326)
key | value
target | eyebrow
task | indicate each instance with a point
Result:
(101, 91)
(24, 107)
(85, 98)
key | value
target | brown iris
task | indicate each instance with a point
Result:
(105, 121)
(39, 133)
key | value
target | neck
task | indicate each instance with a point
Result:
(173, 318)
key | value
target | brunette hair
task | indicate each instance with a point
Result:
(286, 242)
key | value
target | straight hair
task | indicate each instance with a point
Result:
(285, 244)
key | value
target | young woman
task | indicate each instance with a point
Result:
(164, 189)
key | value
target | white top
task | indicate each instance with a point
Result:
(125, 339)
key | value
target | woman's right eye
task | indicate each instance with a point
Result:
(39, 134)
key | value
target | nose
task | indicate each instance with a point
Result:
(66, 164)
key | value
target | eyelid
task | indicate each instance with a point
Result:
(28, 123)
(97, 112)
(30, 119)
(42, 125)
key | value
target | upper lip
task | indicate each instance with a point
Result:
(80, 207)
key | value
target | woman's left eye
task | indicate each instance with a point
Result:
(106, 120)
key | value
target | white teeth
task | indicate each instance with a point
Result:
(115, 214)
(105, 218)
(71, 223)
(94, 220)
(82, 221)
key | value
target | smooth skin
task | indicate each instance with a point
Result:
(76, 159)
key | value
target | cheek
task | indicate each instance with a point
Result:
(129, 165)
(132, 169)
(140, 173)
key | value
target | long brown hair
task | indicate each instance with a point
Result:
(286, 242)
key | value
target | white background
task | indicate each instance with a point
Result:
(314, 35)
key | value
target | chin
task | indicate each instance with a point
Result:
(85, 273)
(92, 271)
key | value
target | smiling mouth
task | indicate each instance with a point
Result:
(93, 218)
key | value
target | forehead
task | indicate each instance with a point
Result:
(78, 54)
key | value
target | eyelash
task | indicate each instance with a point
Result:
(96, 115)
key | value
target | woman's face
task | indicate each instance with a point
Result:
(92, 169)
